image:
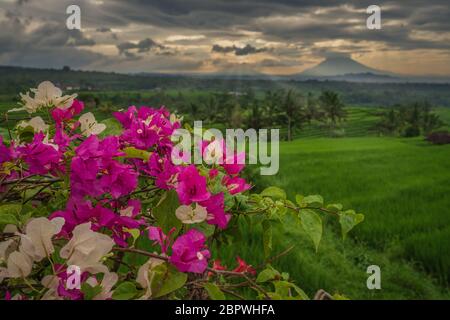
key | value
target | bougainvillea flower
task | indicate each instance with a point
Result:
(156, 234)
(140, 135)
(42, 158)
(86, 249)
(61, 115)
(189, 215)
(163, 170)
(235, 184)
(94, 171)
(213, 173)
(37, 123)
(5, 152)
(89, 125)
(127, 117)
(215, 207)
(191, 186)
(189, 253)
(217, 265)
(244, 267)
(118, 179)
(234, 164)
(36, 242)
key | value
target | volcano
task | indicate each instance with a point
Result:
(339, 66)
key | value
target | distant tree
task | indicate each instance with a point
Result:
(332, 107)
(292, 111)
(237, 117)
(66, 68)
(389, 122)
(311, 111)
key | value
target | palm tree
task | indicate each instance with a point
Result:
(292, 109)
(332, 107)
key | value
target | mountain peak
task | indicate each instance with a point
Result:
(338, 66)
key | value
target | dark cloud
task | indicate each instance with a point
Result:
(238, 51)
(132, 50)
(103, 29)
(297, 26)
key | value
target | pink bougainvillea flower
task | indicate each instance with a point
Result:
(216, 211)
(140, 135)
(5, 152)
(233, 164)
(126, 117)
(163, 170)
(61, 115)
(95, 171)
(156, 234)
(244, 267)
(235, 184)
(118, 179)
(213, 173)
(78, 212)
(62, 289)
(189, 253)
(191, 186)
(42, 158)
(8, 295)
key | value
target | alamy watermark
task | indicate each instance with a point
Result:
(73, 21)
(211, 147)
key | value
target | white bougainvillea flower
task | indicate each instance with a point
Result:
(10, 245)
(86, 249)
(37, 240)
(46, 95)
(4, 248)
(189, 216)
(89, 125)
(108, 282)
(174, 118)
(19, 265)
(37, 123)
(51, 282)
(145, 276)
(213, 153)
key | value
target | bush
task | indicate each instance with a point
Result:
(439, 138)
(411, 132)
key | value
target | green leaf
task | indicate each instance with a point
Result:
(165, 212)
(9, 213)
(313, 201)
(267, 275)
(283, 289)
(133, 153)
(166, 279)
(348, 220)
(336, 207)
(274, 192)
(205, 228)
(125, 291)
(267, 237)
(214, 291)
(312, 224)
(89, 291)
(113, 128)
(299, 199)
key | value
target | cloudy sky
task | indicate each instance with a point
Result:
(264, 36)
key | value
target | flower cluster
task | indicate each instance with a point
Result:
(104, 177)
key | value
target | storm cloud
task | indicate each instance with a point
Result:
(268, 35)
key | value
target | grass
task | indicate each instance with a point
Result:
(401, 185)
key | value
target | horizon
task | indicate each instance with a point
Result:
(213, 37)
